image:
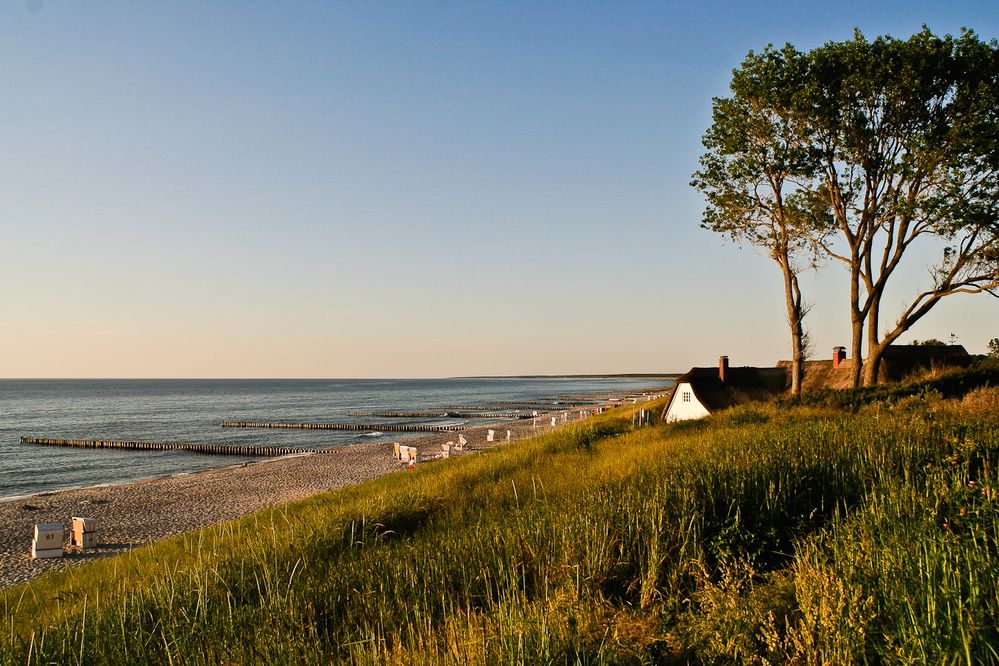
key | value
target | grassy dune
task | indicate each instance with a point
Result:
(767, 534)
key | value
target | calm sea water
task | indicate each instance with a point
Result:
(190, 411)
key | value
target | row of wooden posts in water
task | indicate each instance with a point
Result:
(270, 451)
(235, 449)
(440, 415)
(219, 449)
(496, 406)
(377, 427)
(242, 450)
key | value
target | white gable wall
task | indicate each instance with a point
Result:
(685, 405)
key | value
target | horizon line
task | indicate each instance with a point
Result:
(596, 375)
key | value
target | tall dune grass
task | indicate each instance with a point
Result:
(763, 535)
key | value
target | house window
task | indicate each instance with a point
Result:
(686, 396)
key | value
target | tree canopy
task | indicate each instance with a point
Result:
(856, 151)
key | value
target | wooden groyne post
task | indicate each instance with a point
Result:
(439, 415)
(214, 449)
(380, 427)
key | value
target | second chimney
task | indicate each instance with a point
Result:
(839, 355)
(723, 368)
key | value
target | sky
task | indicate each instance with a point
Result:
(396, 189)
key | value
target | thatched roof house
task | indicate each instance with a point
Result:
(702, 391)
(897, 363)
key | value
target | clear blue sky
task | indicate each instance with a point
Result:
(227, 189)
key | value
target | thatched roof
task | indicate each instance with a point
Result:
(741, 385)
(897, 363)
(822, 374)
(901, 361)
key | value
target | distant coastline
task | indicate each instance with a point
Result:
(623, 375)
(190, 411)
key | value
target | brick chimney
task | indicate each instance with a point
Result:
(839, 355)
(723, 368)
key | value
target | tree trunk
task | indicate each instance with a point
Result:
(856, 320)
(874, 353)
(797, 358)
(876, 348)
(874, 345)
(872, 366)
(795, 318)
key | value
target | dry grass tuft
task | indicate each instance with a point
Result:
(982, 401)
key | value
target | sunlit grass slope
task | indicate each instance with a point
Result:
(766, 534)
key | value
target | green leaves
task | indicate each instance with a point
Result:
(857, 149)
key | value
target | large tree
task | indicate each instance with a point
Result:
(901, 146)
(751, 175)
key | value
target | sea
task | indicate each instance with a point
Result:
(191, 411)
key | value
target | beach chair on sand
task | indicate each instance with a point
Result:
(47, 542)
(84, 533)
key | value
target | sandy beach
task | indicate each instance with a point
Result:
(134, 514)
